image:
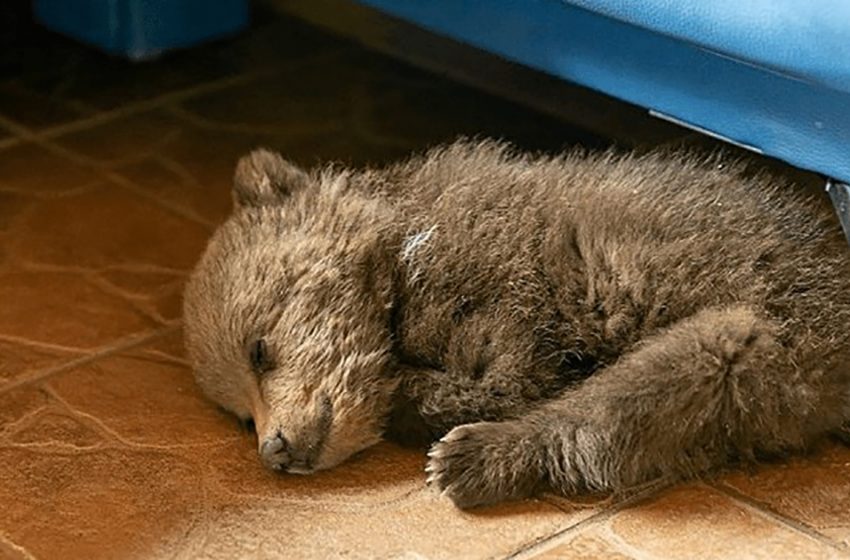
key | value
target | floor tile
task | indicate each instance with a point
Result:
(37, 111)
(12, 207)
(56, 428)
(379, 475)
(145, 402)
(124, 139)
(587, 545)
(697, 522)
(64, 309)
(369, 111)
(51, 66)
(189, 164)
(132, 430)
(172, 161)
(83, 263)
(169, 349)
(110, 228)
(401, 106)
(421, 526)
(95, 503)
(33, 417)
(179, 179)
(12, 551)
(159, 293)
(30, 170)
(20, 358)
(19, 405)
(379, 100)
(7, 138)
(314, 99)
(813, 490)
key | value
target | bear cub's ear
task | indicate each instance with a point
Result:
(264, 178)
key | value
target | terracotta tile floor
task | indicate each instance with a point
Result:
(112, 177)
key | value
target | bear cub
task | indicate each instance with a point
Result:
(580, 322)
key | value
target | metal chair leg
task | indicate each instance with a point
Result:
(840, 195)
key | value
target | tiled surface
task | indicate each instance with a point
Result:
(814, 491)
(112, 177)
(694, 519)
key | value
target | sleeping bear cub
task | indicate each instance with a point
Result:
(581, 322)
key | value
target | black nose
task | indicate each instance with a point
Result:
(274, 452)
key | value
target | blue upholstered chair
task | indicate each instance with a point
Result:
(769, 75)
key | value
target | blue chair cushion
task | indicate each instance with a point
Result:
(804, 39)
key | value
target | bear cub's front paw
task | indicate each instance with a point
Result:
(484, 463)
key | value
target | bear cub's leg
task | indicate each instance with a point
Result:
(716, 386)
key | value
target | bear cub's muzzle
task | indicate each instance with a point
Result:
(297, 452)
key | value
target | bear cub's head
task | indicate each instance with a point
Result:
(287, 314)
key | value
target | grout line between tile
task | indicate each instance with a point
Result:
(766, 511)
(529, 550)
(125, 110)
(43, 138)
(44, 346)
(25, 134)
(100, 426)
(133, 268)
(126, 343)
(134, 303)
(12, 549)
(107, 174)
(18, 130)
(124, 183)
(12, 129)
(617, 542)
(9, 142)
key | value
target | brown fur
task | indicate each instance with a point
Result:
(578, 322)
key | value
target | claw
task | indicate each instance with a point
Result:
(455, 434)
(436, 452)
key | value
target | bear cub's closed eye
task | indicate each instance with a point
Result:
(259, 356)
